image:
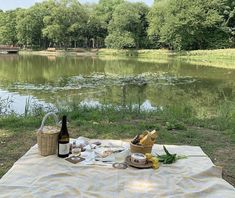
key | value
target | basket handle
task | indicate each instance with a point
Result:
(45, 118)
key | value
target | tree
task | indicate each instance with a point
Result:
(78, 21)
(127, 28)
(186, 24)
(7, 27)
(229, 14)
(30, 24)
(56, 24)
(66, 23)
(120, 40)
(103, 14)
(105, 9)
(174, 24)
(95, 30)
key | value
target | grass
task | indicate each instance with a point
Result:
(161, 53)
(222, 58)
(18, 133)
(61, 52)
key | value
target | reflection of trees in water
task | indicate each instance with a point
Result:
(124, 93)
(211, 87)
(40, 69)
(137, 97)
(202, 98)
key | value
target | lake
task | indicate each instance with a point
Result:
(92, 81)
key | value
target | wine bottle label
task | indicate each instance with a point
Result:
(64, 149)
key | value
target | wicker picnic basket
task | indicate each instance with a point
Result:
(47, 137)
(140, 148)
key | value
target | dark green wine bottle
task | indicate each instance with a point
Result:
(63, 140)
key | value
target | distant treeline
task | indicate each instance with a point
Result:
(172, 24)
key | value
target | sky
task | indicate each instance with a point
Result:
(12, 4)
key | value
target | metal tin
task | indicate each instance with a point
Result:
(120, 165)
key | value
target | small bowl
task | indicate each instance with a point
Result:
(140, 148)
(138, 158)
(140, 166)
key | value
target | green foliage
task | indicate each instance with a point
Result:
(120, 40)
(104, 10)
(175, 126)
(96, 28)
(100, 18)
(30, 24)
(128, 26)
(186, 24)
(120, 24)
(65, 21)
(7, 27)
(229, 15)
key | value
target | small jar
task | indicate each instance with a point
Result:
(138, 158)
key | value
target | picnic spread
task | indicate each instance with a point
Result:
(113, 169)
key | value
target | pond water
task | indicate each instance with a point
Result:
(60, 81)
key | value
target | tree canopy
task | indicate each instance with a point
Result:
(173, 24)
(128, 26)
(186, 24)
(8, 27)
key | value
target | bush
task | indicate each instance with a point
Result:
(119, 40)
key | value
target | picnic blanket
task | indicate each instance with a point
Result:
(37, 176)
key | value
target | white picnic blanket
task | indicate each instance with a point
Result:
(37, 176)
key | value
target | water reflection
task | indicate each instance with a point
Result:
(120, 82)
(146, 106)
(14, 102)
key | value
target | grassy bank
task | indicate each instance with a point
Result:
(161, 53)
(223, 58)
(75, 52)
(176, 125)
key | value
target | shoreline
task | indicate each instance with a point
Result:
(57, 53)
(220, 58)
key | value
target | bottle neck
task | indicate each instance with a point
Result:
(64, 124)
(64, 121)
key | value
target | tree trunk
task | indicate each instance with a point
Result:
(93, 43)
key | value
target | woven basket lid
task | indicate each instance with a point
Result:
(50, 129)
